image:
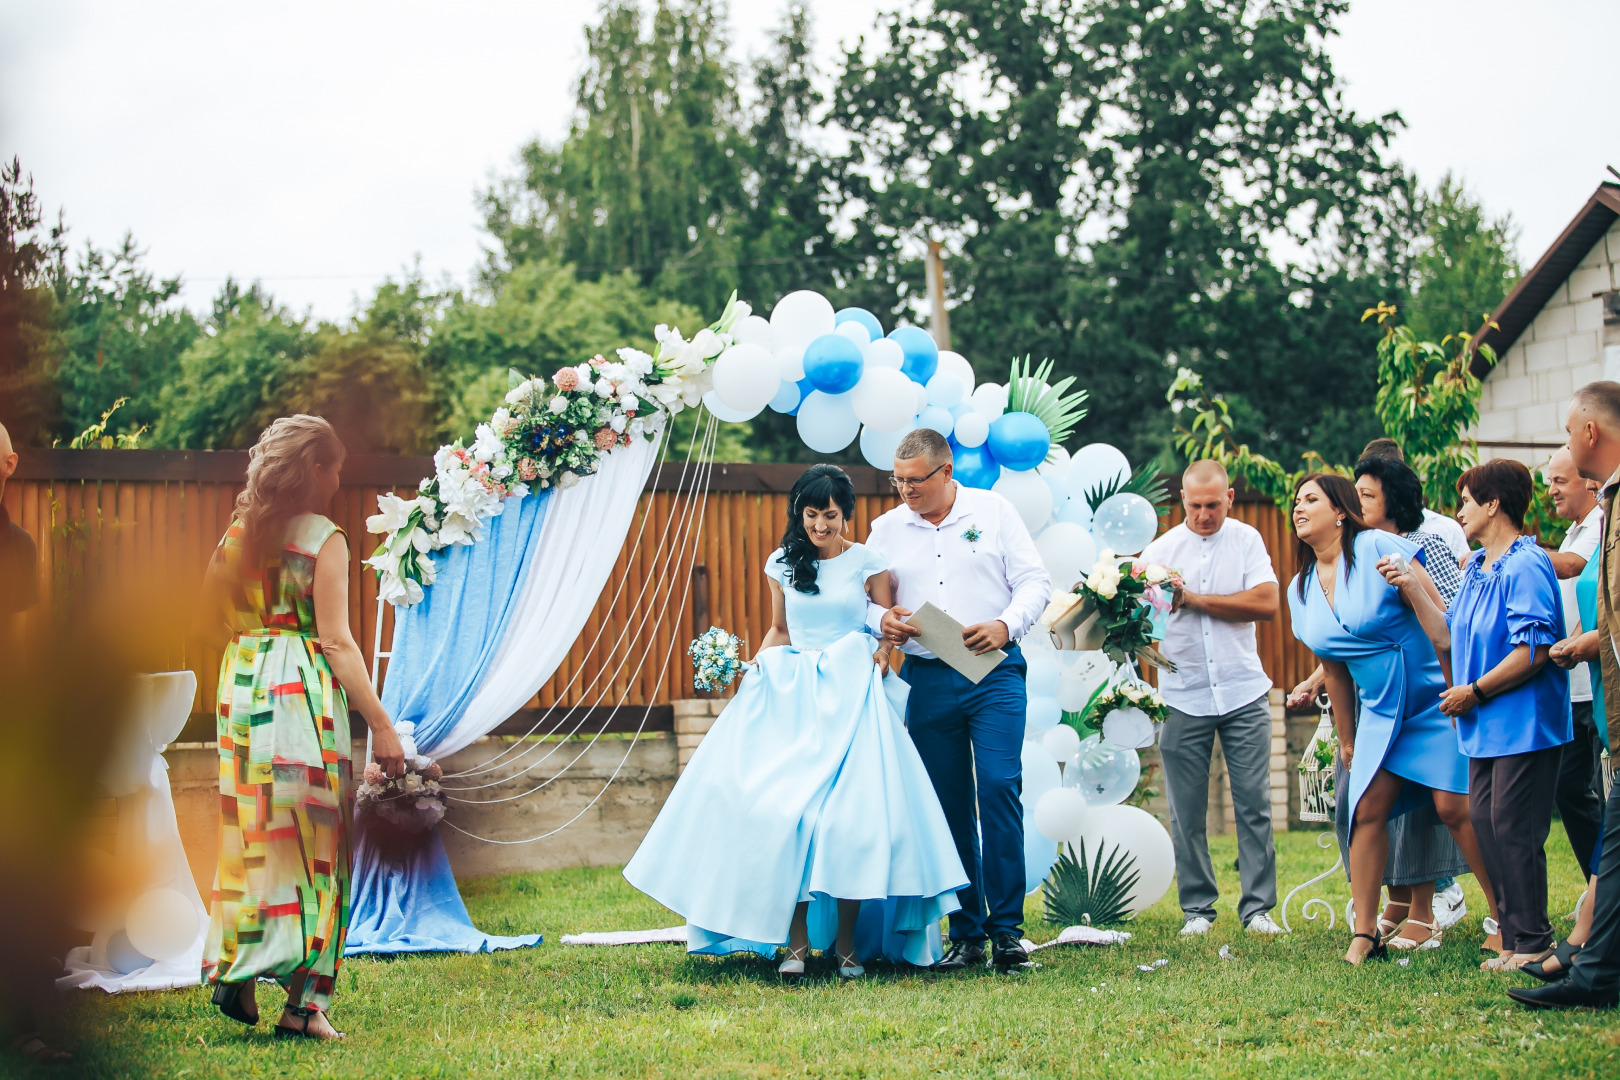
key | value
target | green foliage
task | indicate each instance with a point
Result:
(29, 348)
(1051, 404)
(1428, 397)
(1098, 893)
(1147, 482)
(1465, 264)
(95, 436)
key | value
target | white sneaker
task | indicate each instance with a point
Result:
(1264, 924)
(1449, 906)
(1195, 926)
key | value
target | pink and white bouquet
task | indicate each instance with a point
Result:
(399, 811)
(1118, 608)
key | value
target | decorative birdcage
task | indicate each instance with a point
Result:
(1316, 795)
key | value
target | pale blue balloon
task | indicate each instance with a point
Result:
(787, 398)
(878, 447)
(938, 418)
(1039, 855)
(827, 422)
(944, 389)
(1060, 491)
(1042, 713)
(862, 316)
(1040, 773)
(123, 957)
(1125, 523)
(961, 409)
(1076, 511)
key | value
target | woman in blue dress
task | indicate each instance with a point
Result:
(1352, 605)
(807, 798)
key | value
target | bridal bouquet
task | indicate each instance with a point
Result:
(546, 434)
(1115, 609)
(716, 659)
(399, 810)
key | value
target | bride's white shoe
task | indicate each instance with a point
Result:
(794, 964)
(849, 967)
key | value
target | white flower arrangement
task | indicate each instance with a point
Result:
(536, 441)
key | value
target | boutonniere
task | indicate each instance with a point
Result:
(972, 535)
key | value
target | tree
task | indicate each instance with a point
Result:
(1465, 265)
(1110, 177)
(29, 401)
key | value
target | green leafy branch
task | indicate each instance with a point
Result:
(95, 436)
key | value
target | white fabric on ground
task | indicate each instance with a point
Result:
(628, 937)
(1083, 935)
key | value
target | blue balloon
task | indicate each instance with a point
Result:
(961, 409)
(974, 466)
(862, 316)
(788, 396)
(1039, 855)
(123, 957)
(833, 364)
(937, 417)
(1019, 440)
(922, 355)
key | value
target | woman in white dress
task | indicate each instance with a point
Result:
(805, 818)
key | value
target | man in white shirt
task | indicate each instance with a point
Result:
(1580, 777)
(1446, 528)
(967, 551)
(1219, 686)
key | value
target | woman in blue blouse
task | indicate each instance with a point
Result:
(1364, 605)
(1510, 705)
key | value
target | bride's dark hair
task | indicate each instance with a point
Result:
(819, 486)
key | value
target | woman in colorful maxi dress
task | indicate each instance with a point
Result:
(280, 903)
(1352, 605)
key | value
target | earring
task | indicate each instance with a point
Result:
(1339, 524)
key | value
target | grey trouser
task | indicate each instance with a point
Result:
(1187, 744)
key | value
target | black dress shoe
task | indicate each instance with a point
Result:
(1008, 950)
(960, 956)
(1563, 995)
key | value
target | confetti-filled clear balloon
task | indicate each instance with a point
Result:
(1106, 774)
(1125, 523)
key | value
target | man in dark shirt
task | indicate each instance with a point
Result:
(19, 567)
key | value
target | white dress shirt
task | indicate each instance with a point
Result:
(1447, 529)
(1581, 539)
(997, 574)
(1218, 666)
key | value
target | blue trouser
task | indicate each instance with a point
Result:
(970, 739)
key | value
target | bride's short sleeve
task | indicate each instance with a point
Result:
(776, 569)
(873, 562)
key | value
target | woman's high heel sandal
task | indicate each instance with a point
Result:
(793, 966)
(1431, 942)
(303, 1014)
(1379, 950)
(1387, 927)
(1565, 954)
(228, 1000)
(849, 967)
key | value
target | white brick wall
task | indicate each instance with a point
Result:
(1527, 393)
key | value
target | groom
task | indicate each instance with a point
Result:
(967, 550)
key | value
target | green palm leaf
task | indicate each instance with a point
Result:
(1098, 893)
(1052, 405)
(1147, 482)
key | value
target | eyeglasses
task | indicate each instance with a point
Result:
(901, 483)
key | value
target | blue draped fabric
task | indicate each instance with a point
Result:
(442, 649)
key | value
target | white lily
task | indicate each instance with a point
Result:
(393, 513)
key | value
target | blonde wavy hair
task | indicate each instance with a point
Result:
(280, 474)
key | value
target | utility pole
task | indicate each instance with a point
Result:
(939, 320)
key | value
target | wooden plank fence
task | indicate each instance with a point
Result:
(160, 513)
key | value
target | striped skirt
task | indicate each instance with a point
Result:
(1420, 846)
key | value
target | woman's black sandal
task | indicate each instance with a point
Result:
(31, 1046)
(228, 1000)
(1379, 950)
(1565, 954)
(302, 1032)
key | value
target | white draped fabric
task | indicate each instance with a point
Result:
(584, 529)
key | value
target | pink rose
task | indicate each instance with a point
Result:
(605, 439)
(374, 773)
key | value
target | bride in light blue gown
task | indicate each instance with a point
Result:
(805, 817)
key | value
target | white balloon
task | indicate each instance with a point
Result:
(1063, 742)
(1041, 675)
(1056, 463)
(884, 352)
(1042, 712)
(790, 362)
(1061, 813)
(972, 429)
(952, 363)
(827, 422)
(882, 399)
(1080, 682)
(1139, 833)
(754, 330)
(713, 402)
(1068, 551)
(921, 393)
(162, 924)
(878, 447)
(1040, 771)
(944, 389)
(1096, 465)
(990, 400)
(1129, 728)
(936, 417)
(856, 332)
(1029, 495)
(801, 317)
(746, 378)
(1125, 523)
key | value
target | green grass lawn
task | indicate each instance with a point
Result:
(1287, 1007)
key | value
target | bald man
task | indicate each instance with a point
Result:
(19, 561)
(1219, 686)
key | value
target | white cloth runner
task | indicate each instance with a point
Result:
(628, 937)
(1082, 935)
(584, 529)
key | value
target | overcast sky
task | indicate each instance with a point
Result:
(321, 146)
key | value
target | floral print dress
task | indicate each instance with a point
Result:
(280, 904)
